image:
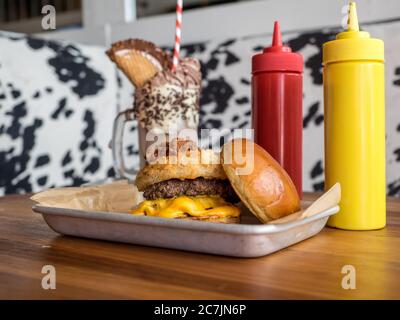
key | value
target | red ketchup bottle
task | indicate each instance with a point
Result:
(277, 95)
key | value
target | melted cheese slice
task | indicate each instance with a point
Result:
(200, 206)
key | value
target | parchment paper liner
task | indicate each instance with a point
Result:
(119, 196)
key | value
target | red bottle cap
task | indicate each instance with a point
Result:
(277, 57)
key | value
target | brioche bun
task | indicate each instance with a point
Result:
(183, 165)
(266, 189)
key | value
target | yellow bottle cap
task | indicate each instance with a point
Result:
(353, 44)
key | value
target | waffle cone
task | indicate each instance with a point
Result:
(136, 67)
(140, 60)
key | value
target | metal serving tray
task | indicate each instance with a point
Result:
(248, 239)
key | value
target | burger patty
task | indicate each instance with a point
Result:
(194, 187)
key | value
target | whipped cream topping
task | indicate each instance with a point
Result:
(170, 98)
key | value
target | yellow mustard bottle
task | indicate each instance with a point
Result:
(354, 106)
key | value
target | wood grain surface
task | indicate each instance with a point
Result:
(90, 269)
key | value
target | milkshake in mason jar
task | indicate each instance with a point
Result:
(165, 101)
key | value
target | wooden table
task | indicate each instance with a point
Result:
(97, 269)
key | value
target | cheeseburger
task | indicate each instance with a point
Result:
(187, 184)
(202, 185)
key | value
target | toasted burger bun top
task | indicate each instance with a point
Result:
(260, 182)
(183, 165)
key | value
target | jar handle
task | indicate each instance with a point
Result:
(117, 145)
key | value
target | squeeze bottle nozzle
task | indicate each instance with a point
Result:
(352, 23)
(277, 37)
(277, 45)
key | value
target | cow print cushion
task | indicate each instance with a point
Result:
(57, 102)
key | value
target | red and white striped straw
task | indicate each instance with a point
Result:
(178, 25)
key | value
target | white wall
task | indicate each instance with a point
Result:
(240, 19)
